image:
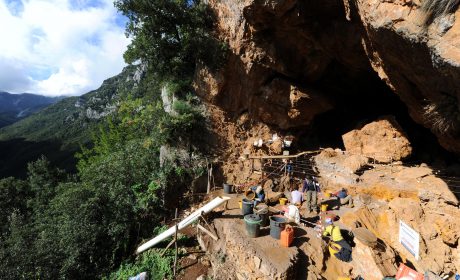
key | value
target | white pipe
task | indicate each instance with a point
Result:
(216, 202)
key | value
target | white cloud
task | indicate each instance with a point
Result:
(56, 47)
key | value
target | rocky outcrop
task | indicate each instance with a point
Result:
(292, 60)
(383, 140)
(421, 64)
(275, 58)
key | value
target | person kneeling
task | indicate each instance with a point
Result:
(260, 194)
(344, 198)
(338, 247)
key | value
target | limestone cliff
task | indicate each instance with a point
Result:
(292, 60)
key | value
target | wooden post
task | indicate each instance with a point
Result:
(209, 177)
(262, 162)
(175, 238)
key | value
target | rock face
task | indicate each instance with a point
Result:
(421, 64)
(382, 140)
(292, 60)
(374, 263)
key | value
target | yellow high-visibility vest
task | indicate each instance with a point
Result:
(334, 232)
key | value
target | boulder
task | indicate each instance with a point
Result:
(407, 209)
(448, 228)
(375, 264)
(383, 140)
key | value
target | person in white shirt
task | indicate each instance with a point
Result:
(297, 196)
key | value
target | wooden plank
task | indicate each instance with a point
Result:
(207, 232)
(284, 157)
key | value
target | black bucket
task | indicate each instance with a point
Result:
(277, 224)
(227, 188)
(262, 211)
(252, 225)
(247, 207)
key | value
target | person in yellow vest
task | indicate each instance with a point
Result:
(338, 247)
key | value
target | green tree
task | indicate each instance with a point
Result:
(14, 194)
(16, 253)
(43, 180)
(171, 36)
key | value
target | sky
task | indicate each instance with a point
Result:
(59, 47)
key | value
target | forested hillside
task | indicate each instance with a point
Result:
(14, 107)
(59, 130)
(57, 225)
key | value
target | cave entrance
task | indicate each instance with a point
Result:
(360, 98)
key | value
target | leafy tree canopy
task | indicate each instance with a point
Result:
(171, 36)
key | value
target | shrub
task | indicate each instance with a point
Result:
(158, 267)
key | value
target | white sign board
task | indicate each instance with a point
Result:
(409, 238)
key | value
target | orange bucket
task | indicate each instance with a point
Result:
(283, 201)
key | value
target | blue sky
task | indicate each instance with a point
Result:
(59, 47)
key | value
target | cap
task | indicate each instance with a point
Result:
(328, 221)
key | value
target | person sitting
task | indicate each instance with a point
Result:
(260, 194)
(297, 196)
(338, 247)
(344, 197)
(291, 212)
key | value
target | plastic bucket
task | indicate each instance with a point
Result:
(252, 225)
(262, 211)
(283, 201)
(277, 224)
(324, 207)
(247, 207)
(249, 194)
(227, 188)
(327, 194)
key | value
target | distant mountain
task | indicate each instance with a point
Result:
(65, 124)
(14, 107)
